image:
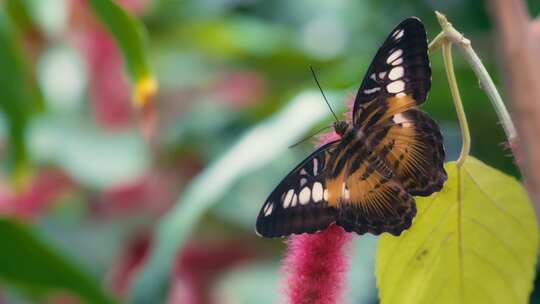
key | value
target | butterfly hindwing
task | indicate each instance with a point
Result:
(365, 190)
(299, 203)
(412, 145)
(400, 67)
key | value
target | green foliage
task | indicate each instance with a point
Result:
(474, 245)
(19, 95)
(18, 11)
(28, 262)
(257, 147)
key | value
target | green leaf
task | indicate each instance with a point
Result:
(18, 10)
(475, 246)
(27, 261)
(259, 146)
(19, 95)
(131, 37)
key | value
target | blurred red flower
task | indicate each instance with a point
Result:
(128, 263)
(196, 268)
(240, 88)
(109, 88)
(42, 191)
(200, 264)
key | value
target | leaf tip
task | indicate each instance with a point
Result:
(145, 89)
(443, 21)
(21, 177)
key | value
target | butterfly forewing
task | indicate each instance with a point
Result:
(400, 68)
(407, 139)
(299, 202)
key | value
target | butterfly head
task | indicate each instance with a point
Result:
(341, 127)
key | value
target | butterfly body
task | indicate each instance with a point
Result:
(389, 152)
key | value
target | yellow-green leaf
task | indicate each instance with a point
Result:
(131, 37)
(475, 246)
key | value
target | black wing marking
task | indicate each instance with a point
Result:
(298, 204)
(400, 67)
(411, 143)
(366, 192)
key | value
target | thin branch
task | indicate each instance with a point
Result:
(456, 97)
(450, 34)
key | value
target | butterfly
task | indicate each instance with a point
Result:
(388, 153)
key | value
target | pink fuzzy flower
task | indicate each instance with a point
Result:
(316, 264)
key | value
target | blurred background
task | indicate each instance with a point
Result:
(91, 183)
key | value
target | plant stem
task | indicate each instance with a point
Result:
(465, 134)
(489, 87)
(450, 35)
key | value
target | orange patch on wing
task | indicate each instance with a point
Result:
(373, 194)
(360, 189)
(334, 187)
(398, 105)
(407, 150)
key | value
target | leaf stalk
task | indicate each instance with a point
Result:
(445, 39)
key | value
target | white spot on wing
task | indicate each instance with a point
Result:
(382, 74)
(288, 198)
(269, 209)
(397, 62)
(399, 118)
(317, 192)
(303, 171)
(346, 194)
(401, 94)
(395, 86)
(395, 55)
(396, 73)
(304, 196)
(303, 181)
(399, 34)
(372, 90)
(325, 195)
(294, 200)
(315, 166)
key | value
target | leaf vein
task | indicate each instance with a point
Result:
(502, 210)
(502, 242)
(497, 270)
(409, 261)
(480, 287)
(400, 241)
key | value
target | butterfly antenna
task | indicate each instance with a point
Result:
(308, 137)
(320, 88)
